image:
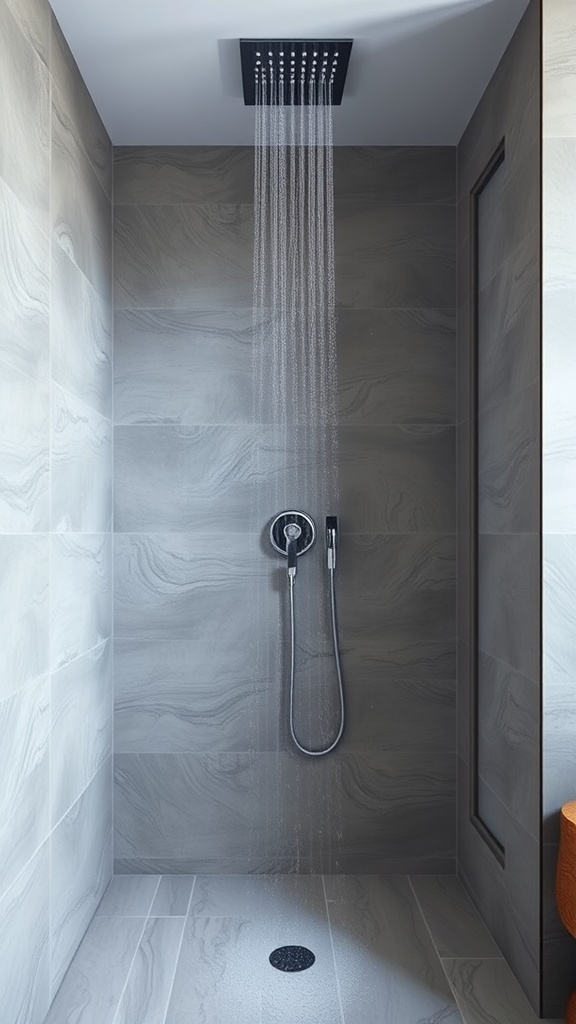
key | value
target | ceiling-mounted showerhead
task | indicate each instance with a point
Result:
(302, 71)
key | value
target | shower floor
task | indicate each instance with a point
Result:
(180, 949)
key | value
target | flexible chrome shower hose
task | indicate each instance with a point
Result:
(325, 750)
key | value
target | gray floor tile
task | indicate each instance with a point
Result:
(488, 993)
(388, 970)
(255, 896)
(129, 896)
(147, 992)
(173, 896)
(93, 986)
(453, 921)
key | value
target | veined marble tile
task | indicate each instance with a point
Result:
(24, 119)
(509, 599)
(396, 365)
(93, 987)
(25, 773)
(396, 174)
(386, 964)
(509, 454)
(129, 896)
(183, 366)
(173, 896)
(81, 342)
(24, 611)
(391, 714)
(559, 54)
(81, 734)
(24, 944)
(186, 586)
(183, 174)
(24, 440)
(387, 660)
(289, 898)
(399, 586)
(145, 998)
(455, 925)
(395, 256)
(487, 991)
(191, 696)
(184, 256)
(192, 478)
(33, 18)
(81, 466)
(24, 323)
(81, 867)
(397, 479)
(80, 566)
(76, 110)
(81, 217)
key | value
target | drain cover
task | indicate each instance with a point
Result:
(292, 958)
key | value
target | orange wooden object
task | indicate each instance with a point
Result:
(566, 884)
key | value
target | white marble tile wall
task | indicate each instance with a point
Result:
(55, 509)
(558, 470)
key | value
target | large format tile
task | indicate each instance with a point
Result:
(386, 964)
(400, 256)
(559, 62)
(81, 466)
(24, 440)
(455, 925)
(185, 257)
(24, 119)
(397, 479)
(399, 586)
(76, 110)
(81, 213)
(80, 564)
(183, 366)
(509, 464)
(487, 991)
(129, 896)
(93, 986)
(81, 866)
(24, 322)
(183, 174)
(81, 339)
(286, 897)
(425, 175)
(33, 19)
(24, 611)
(509, 738)
(509, 599)
(173, 896)
(145, 998)
(390, 714)
(81, 737)
(24, 944)
(396, 366)
(25, 773)
(190, 696)
(183, 586)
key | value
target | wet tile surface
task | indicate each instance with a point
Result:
(387, 949)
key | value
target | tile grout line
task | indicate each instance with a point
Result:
(138, 944)
(333, 951)
(177, 958)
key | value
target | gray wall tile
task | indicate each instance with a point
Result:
(423, 175)
(183, 256)
(81, 466)
(33, 18)
(80, 564)
(509, 595)
(24, 609)
(148, 175)
(509, 464)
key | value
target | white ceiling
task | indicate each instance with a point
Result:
(167, 72)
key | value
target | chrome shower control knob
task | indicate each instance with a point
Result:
(292, 526)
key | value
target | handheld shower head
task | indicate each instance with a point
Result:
(331, 541)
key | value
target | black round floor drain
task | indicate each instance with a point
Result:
(292, 958)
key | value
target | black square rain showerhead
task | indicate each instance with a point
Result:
(293, 66)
